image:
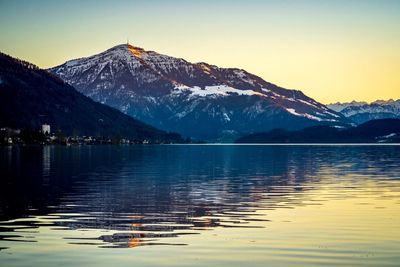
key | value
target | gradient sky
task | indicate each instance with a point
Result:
(331, 50)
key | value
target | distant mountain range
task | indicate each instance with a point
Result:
(374, 131)
(360, 112)
(197, 100)
(30, 97)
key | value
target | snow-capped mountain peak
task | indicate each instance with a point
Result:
(175, 94)
(360, 112)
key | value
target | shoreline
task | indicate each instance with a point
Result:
(213, 144)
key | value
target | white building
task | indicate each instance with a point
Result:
(46, 129)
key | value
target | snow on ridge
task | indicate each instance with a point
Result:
(119, 52)
(244, 77)
(332, 114)
(308, 103)
(205, 68)
(376, 108)
(226, 117)
(222, 90)
(338, 107)
(306, 115)
(373, 108)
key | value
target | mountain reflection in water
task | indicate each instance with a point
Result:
(129, 196)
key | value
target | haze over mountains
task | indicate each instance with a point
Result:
(195, 99)
(360, 112)
(30, 97)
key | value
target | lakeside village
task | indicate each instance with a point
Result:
(9, 136)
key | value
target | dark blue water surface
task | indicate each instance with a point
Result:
(200, 205)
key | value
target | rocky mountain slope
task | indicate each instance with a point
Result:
(198, 100)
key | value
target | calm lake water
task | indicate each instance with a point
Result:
(200, 205)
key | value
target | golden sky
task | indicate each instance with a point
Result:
(339, 50)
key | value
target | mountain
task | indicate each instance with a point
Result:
(198, 100)
(374, 131)
(360, 112)
(30, 97)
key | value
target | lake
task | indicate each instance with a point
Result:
(200, 205)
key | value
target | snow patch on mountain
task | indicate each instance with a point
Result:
(292, 111)
(222, 90)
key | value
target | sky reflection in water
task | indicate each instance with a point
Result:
(197, 205)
